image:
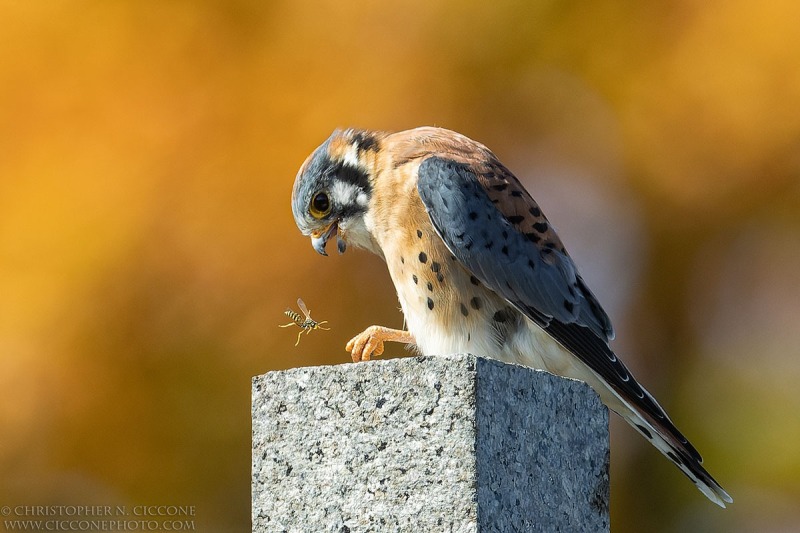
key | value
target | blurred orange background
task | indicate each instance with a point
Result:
(148, 251)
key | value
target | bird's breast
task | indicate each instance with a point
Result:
(447, 309)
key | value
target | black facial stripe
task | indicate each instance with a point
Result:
(365, 141)
(353, 175)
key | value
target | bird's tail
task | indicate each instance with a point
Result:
(663, 434)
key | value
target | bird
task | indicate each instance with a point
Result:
(477, 267)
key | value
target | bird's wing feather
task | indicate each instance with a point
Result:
(496, 230)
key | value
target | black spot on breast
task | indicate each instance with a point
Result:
(504, 323)
(464, 310)
(541, 227)
(419, 233)
(430, 304)
(423, 257)
(500, 316)
(430, 286)
(435, 266)
(475, 303)
(473, 215)
(474, 280)
(402, 260)
(415, 278)
(516, 219)
(439, 277)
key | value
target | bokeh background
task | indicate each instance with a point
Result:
(147, 247)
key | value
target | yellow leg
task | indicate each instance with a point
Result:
(370, 342)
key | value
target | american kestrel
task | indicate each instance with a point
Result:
(477, 266)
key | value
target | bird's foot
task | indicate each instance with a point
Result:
(370, 342)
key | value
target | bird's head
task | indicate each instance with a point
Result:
(333, 188)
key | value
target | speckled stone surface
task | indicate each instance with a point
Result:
(456, 443)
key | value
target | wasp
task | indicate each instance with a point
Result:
(305, 323)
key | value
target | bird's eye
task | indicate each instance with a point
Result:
(320, 205)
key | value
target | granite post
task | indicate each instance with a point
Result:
(455, 443)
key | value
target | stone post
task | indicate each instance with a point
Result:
(456, 443)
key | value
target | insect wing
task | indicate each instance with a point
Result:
(301, 304)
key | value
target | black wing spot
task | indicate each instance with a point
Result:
(435, 266)
(474, 280)
(439, 277)
(419, 233)
(532, 265)
(516, 194)
(645, 431)
(430, 286)
(516, 219)
(423, 257)
(675, 459)
(500, 187)
(535, 211)
(568, 306)
(504, 249)
(541, 227)
(473, 215)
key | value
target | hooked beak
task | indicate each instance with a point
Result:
(319, 240)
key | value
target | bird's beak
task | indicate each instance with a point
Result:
(320, 239)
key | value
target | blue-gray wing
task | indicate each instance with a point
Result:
(496, 231)
(494, 228)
